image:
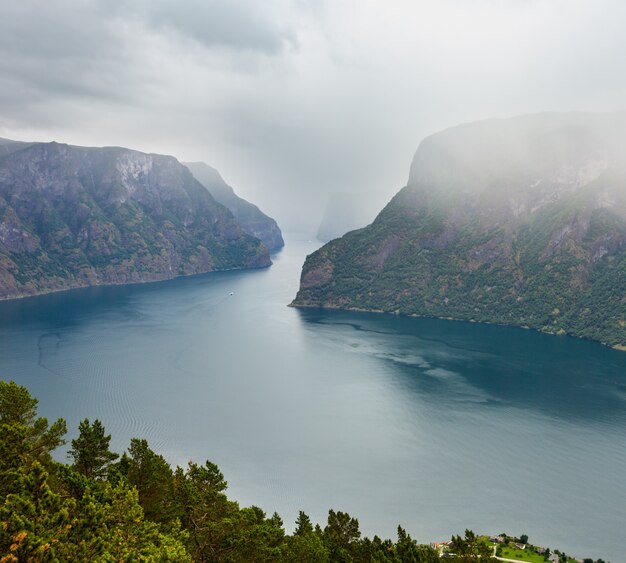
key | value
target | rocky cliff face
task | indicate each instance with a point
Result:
(74, 217)
(252, 220)
(519, 221)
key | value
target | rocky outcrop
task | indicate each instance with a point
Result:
(252, 220)
(519, 221)
(73, 217)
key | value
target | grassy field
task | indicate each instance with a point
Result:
(522, 555)
(528, 554)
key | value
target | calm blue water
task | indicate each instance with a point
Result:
(435, 425)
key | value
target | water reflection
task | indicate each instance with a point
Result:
(562, 377)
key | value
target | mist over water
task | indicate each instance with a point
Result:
(435, 425)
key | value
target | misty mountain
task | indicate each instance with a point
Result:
(74, 216)
(251, 219)
(345, 212)
(517, 221)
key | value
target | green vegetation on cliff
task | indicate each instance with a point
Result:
(75, 216)
(518, 222)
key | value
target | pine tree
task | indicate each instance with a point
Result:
(341, 535)
(90, 450)
(39, 525)
(303, 525)
(18, 410)
(152, 476)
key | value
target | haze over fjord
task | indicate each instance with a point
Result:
(294, 101)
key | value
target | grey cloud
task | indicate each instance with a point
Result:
(235, 24)
(104, 51)
(293, 100)
(62, 49)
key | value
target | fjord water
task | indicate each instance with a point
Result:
(432, 424)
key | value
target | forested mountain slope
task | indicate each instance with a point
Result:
(516, 221)
(74, 216)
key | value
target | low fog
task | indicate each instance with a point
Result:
(296, 101)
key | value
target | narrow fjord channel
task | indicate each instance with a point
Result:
(431, 424)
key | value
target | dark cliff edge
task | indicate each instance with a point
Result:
(75, 217)
(251, 219)
(516, 221)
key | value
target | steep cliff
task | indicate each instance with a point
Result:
(252, 220)
(74, 217)
(519, 221)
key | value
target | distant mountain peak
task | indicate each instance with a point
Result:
(252, 220)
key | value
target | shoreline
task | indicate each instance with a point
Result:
(293, 304)
(130, 282)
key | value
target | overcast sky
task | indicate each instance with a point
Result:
(293, 100)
